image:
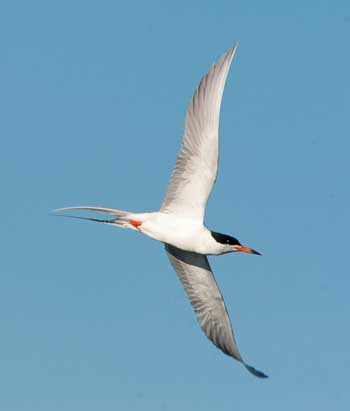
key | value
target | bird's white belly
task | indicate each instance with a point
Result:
(183, 233)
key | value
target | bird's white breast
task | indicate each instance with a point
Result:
(183, 233)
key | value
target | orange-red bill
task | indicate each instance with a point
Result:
(248, 250)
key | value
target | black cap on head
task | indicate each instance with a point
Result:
(225, 239)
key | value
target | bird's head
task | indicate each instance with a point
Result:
(231, 244)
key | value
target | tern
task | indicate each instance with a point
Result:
(179, 224)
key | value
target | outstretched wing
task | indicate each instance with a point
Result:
(196, 165)
(201, 288)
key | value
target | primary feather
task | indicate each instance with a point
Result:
(196, 165)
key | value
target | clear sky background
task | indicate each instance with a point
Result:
(92, 99)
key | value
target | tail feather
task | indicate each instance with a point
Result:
(113, 211)
(122, 218)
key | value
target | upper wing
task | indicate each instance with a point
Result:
(201, 288)
(196, 165)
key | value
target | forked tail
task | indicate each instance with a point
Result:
(120, 218)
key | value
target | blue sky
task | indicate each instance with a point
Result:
(93, 98)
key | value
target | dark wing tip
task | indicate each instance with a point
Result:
(255, 372)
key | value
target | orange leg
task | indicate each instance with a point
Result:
(136, 223)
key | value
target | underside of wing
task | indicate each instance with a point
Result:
(196, 166)
(201, 288)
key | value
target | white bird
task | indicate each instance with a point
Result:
(179, 223)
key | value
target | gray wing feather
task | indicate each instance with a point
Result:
(199, 283)
(196, 166)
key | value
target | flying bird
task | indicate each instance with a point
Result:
(179, 224)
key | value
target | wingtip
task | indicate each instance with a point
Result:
(232, 51)
(255, 372)
(233, 47)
